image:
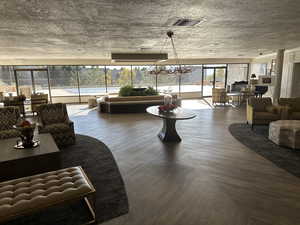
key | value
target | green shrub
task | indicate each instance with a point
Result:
(125, 90)
(151, 91)
(128, 90)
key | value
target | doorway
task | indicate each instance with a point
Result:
(213, 77)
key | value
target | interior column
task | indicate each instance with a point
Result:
(279, 66)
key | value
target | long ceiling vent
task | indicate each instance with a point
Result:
(138, 57)
(186, 22)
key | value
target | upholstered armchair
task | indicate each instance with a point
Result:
(9, 117)
(54, 119)
(17, 101)
(219, 95)
(261, 111)
(37, 100)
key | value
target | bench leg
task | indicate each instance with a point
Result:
(92, 208)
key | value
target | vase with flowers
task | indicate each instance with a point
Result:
(26, 130)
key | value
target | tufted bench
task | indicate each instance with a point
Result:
(30, 194)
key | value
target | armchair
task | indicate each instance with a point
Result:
(54, 119)
(37, 100)
(260, 111)
(9, 117)
(17, 101)
(219, 95)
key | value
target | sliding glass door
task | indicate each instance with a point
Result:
(32, 81)
(213, 77)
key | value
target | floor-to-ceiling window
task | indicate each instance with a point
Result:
(192, 82)
(167, 82)
(91, 80)
(64, 83)
(237, 72)
(141, 76)
(76, 83)
(7, 81)
(118, 76)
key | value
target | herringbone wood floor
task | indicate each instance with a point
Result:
(209, 178)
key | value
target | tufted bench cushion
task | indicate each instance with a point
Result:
(20, 196)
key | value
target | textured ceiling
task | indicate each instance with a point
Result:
(95, 28)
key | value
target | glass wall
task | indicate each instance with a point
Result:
(192, 82)
(79, 82)
(64, 81)
(167, 83)
(118, 76)
(7, 81)
(237, 72)
(91, 80)
(41, 82)
(142, 77)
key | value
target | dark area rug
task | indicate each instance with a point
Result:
(257, 140)
(99, 164)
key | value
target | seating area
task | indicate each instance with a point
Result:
(150, 112)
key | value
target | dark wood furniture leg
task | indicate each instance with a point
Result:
(168, 133)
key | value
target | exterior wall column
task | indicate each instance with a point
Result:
(279, 66)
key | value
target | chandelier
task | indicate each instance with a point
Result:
(177, 69)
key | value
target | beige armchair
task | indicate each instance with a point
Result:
(37, 100)
(261, 111)
(219, 96)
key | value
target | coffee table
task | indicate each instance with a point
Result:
(16, 163)
(168, 132)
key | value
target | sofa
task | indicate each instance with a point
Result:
(292, 106)
(129, 104)
(261, 111)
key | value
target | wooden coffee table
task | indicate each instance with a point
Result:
(168, 133)
(16, 163)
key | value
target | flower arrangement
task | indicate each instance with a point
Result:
(27, 131)
(166, 108)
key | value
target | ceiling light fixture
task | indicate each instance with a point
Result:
(178, 68)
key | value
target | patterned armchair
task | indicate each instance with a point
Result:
(9, 117)
(54, 119)
(261, 111)
(17, 101)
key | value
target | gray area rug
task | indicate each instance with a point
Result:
(99, 164)
(257, 140)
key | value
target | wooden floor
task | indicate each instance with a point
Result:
(209, 178)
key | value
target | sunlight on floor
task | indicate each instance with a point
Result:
(197, 104)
